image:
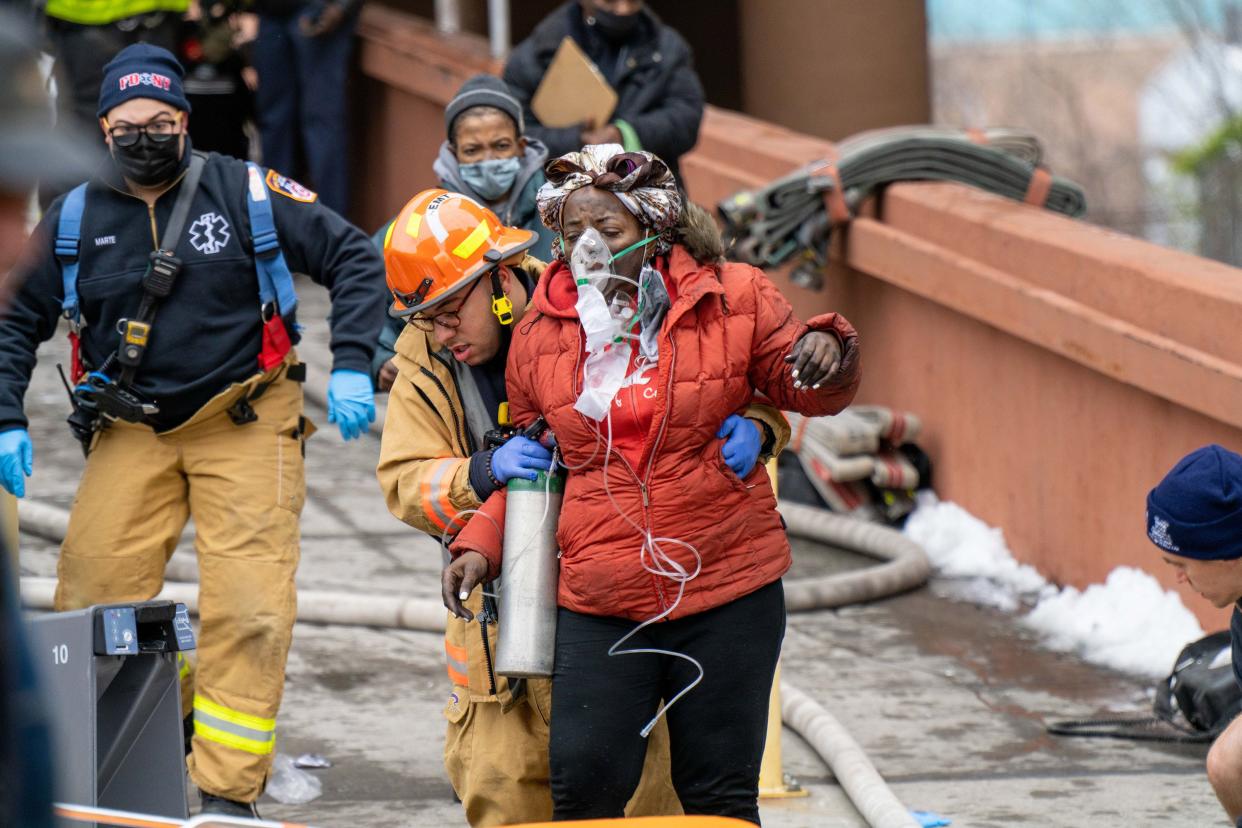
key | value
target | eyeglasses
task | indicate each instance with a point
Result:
(126, 135)
(448, 319)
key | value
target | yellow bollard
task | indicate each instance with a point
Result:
(773, 783)
(8, 523)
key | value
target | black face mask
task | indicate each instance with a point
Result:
(614, 28)
(149, 163)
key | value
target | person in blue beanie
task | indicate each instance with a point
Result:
(174, 271)
(1194, 516)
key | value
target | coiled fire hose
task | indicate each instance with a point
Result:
(904, 567)
(792, 218)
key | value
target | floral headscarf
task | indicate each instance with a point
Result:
(640, 180)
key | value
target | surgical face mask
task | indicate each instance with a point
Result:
(148, 163)
(615, 28)
(493, 178)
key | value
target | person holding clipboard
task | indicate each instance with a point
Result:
(608, 71)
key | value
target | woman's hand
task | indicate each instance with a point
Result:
(816, 358)
(459, 579)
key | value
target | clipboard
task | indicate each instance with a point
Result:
(573, 91)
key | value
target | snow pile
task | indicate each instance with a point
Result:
(1128, 623)
(960, 545)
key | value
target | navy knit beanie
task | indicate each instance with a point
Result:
(142, 71)
(1196, 511)
(484, 90)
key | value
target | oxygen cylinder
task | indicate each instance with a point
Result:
(528, 577)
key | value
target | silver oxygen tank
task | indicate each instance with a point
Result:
(528, 577)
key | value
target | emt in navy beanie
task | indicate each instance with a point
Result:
(1195, 516)
(142, 71)
(148, 143)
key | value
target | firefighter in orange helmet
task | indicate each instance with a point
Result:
(463, 280)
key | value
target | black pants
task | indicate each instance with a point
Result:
(600, 703)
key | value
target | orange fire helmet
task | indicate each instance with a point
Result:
(440, 243)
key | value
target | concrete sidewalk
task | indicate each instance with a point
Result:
(947, 698)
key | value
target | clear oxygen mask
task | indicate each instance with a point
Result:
(607, 324)
(604, 321)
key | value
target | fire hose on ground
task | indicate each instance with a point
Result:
(904, 566)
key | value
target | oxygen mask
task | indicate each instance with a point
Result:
(607, 323)
(603, 320)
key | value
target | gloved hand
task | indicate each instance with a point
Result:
(520, 457)
(16, 456)
(351, 402)
(743, 441)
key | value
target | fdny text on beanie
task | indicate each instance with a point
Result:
(142, 71)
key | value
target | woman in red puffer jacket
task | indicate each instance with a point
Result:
(654, 526)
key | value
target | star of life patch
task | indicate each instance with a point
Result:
(289, 188)
(209, 234)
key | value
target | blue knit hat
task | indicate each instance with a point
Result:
(142, 71)
(1196, 511)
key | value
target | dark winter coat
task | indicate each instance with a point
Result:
(658, 91)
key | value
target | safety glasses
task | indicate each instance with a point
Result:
(159, 131)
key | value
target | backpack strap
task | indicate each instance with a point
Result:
(68, 242)
(275, 280)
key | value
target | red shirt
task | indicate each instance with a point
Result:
(634, 405)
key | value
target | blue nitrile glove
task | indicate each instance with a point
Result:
(520, 457)
(351, 402)
(84, 392)
(16, 456)
(743, 441)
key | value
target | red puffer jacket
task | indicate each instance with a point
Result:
(726, 335)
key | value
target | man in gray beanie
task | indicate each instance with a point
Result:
(1194, 516)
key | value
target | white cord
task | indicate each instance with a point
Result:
(662, 565)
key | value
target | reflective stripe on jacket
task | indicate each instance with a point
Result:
(101, 12)
(424, 472)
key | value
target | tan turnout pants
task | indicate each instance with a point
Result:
(244, 486)
(496, 748)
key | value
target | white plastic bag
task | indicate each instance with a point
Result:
(290, 785)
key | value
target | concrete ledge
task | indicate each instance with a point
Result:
(407, 52)
(1193, 300)
(1113, 347)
